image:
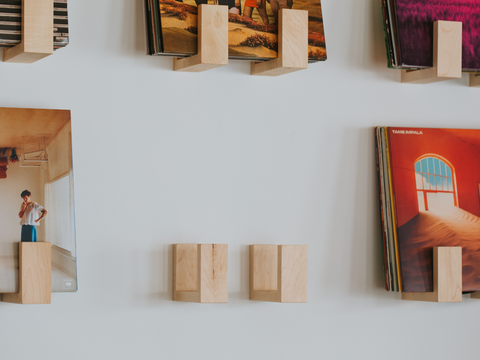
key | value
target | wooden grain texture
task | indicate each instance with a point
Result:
(200, 273)
(35, 274)
(474, 80)
(265, 267)
(264, 295)
(291, 269)
(447, 55)
(212, 41)
(214, 273)
(37, 33)
(186, 267)
(447, 277)
(182, 254)
(294, 265)
(292, 45)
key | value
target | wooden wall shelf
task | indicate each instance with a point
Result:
(212, 41)
(292, 45)
(37, 33)
(447, 277)
(474, 80)
(447, 55)
(34, 274)
(279, 273)
(200, 273)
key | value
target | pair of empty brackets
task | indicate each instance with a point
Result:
(278, 273)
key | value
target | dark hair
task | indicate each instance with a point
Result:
(25, 193)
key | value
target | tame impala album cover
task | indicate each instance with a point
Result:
(414, 25)
(435, 177)
(252, 27)
(36, 192)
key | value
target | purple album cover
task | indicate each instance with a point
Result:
(415, 20)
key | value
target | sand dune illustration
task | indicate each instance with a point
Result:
(450, 226)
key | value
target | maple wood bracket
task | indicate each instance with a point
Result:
(34, 274)
(474, 80)
(212, 41)
(279, 273)
(200, 273)
(37, 33)
(292, 45)
(447, 277)
(447, 55)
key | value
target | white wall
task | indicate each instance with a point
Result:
(223, 157)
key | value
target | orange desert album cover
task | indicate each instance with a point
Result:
(435, 182)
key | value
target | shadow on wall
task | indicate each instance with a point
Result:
(157, 271)
(135, 39)
(367, 46)
(359, 246)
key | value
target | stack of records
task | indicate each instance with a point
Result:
(11, 23)
(409, 31)
(252, 24)
(429, 182)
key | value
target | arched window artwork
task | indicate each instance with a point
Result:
(435, 184)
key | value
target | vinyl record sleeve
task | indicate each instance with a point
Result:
(413, 31)
(252, 27)
(38, 146)
(436, 193)
(11, 19)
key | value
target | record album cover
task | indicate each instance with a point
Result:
(11, 23)
(36, 192)
(252, 27)
(435, 178)
(409, 30)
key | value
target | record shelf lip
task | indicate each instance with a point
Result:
(212, 41)
(37, 30)
(475, 80)
(447, 55)
(200, 273)
(292, 45)
(447, 277)
(34, 274)
(279, 273)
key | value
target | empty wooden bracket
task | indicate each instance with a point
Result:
(212, 41)
(447, 277)
(279, 273)
(475, 80)
(34, 274)
(37, 33)
(200, 273)
(292, 45)
(447, 55)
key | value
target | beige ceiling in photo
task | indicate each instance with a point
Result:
(30, 124)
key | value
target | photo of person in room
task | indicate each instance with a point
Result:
(28, 214)
(36, 193)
